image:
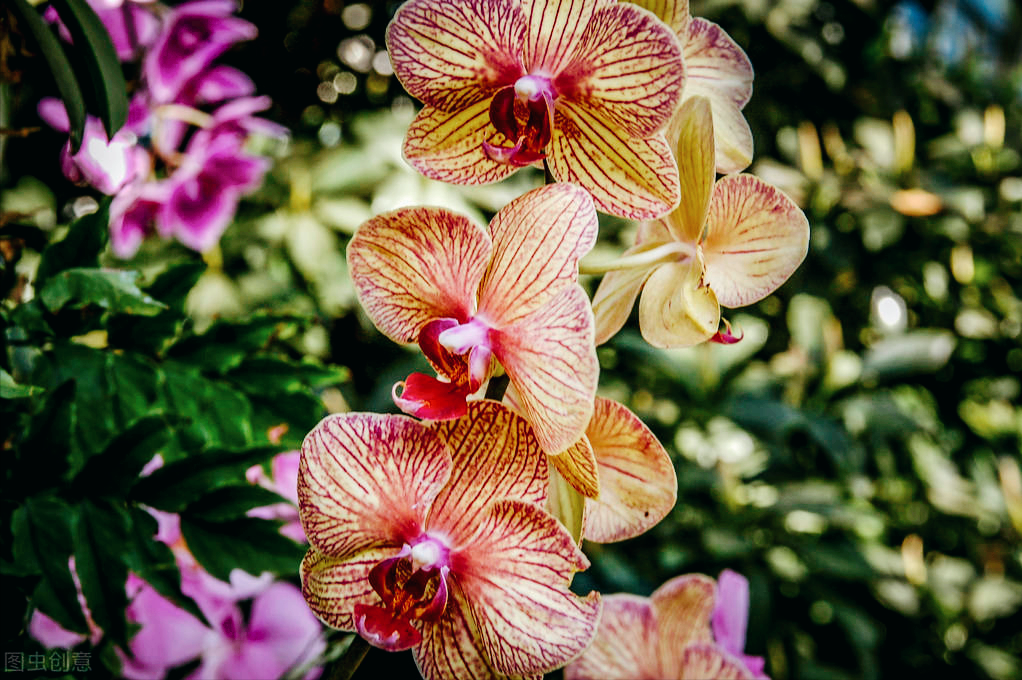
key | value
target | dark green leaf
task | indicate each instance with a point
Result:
(110, 289)
(81, 247)
(275, 375)
(100, 541)
(116, 469)
(252, 545)
(226, 343)
(221, 414)
(172, 286)
(46, 453)
(231, 502)
(12, 390)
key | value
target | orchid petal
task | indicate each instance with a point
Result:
(515, 577)
(710, 661)
(625, 645)
(719, 70)
(538, 239)
(577, 465)
(416, 264)
(551, 360)
(449, 146)
(631, 178)
(674, 13)
(169, 636)
(451, 55)
(675, 310)
(731, 611)
(426, 397)
(449, 648)
(282, 622)
(755, 238)
(367, 480)
(628, 71)
(693, 127)
(682, 607)
(333, 587)
(615, 296)
(554, 29)
(638, 486)
(490, 437)
(566, 504)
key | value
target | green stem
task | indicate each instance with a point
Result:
(344, 667)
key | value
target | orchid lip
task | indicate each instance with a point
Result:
(534, 87)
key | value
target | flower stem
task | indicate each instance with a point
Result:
(665, 252)
(345, 666)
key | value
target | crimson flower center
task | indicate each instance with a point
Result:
(524, 114)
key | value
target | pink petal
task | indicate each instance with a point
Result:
(755, 238)
(449, 648)
(490, 437)
(515, 577)
(281, 621)
(538, 239)
(51, 634)
(637, 481)
(625, 646)
(675, 310)
(693, 129)
(554, 29)
(682, 607)
(417, 264)
(53, 113)
(551, 360)
(367, 480)
(451, 55)
(628, 177)
(333, 587)
(198, 211)
(169, 636)
(627, 71)
(711, 661)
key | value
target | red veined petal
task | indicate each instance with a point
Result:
(367, 480)
(416, 264)
(674, 13)
(615, 297)
(625, 646)
(553, 29)
(674, 309)
(550, 358)
(452, 55)
(515, 577)
(448, 146)
(693, 129)
(449, 648)
(710, 661)
(627, 71)
(755, 238)
(496, 455)
(682, 607)
(333, 587)
(538, 239)
(426, 397)
(628, 177)
(577, 465)
(637, 481)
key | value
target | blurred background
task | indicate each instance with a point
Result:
(857, 454)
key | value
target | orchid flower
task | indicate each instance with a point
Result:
(731, 617)
(470, 295)
(586, 85)
(284, 481)
(665, 636)
(715, 68)
(417, 544)
(731, 243)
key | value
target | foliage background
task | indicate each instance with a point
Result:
(856, 455)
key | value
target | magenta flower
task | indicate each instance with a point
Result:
(731, 617)
(417, 544)
(284, 481)
(470, 295)
(586, 85)
(195, 33)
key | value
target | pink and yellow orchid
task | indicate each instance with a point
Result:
(417, 544)
(469, 295)
(715, 68)
(728, 243)
(586, 85)
(667, 636)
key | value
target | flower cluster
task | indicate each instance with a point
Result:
(179, 166)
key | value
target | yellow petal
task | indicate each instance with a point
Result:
(566, 504)
(693, 128)
(674, 310)
(553, 31)
(755, 238)
(332, 587)
(711, 661)
(682, 607)
(577, 465)
(625, 646)
(674, 13)
(614, 299)
(449, 647)
(637, 481)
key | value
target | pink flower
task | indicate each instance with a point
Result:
(284, 481)
(417, 543)
(731, 616)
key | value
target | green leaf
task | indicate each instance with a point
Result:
(12, 390)
(275, 375)
(96, 51)
(81, 247)
(60, 67)
(221, 414)
(173, 285)
(100, 541)
(252, 545)
(46, 452)
(110, 289)
(116, 469)
(227, 343)
(232, 502)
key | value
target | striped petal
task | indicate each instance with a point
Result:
(628, 177)
(551, 360)
(710, 661)
(416, 264)
(538, 239)
(637, 481)
(515, 577)
(496, 455)
(625, 646)
(693, 129)
(675, 310)
(332, 587)
(718, 69)
(554, 29)
(452, 55)
(682, 607)
(755, 238)
(449, 648)
(628, 71)
(577, 465)
(366, 480)
(674, 13)
(448, 146)
(615, 297)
